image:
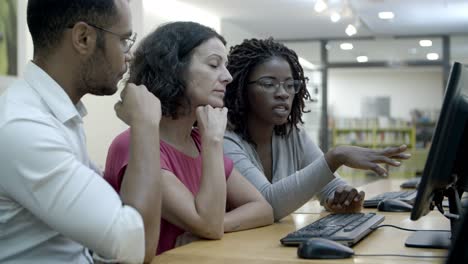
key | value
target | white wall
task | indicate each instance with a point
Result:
(407, 88)
(24, 48)
(157, 12)
(234, 34)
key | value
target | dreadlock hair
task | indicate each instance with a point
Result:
(242, 59)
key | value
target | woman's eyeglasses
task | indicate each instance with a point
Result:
(291, 86)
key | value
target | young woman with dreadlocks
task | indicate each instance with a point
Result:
(266, 100)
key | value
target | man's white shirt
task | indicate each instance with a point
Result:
(53, 203)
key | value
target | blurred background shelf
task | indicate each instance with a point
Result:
(375, 137)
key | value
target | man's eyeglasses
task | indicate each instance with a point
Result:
(126, 42)
(272, 85)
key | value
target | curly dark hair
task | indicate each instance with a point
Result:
(242, 59)
(48, 19)
(162, 59)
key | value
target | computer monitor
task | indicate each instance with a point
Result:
(458, 252)
(446, 170)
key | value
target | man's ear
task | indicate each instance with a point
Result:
(83, 38)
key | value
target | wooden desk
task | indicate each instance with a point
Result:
(261, 245)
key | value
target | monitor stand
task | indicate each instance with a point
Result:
(439, 239)
(429, 239)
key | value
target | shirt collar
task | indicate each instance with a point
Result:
(53, 95)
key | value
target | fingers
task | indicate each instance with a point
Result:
(391, 151)
(389, 161)
(117, 107)
(224, 110)
(344, 196)
(360, 197)
(123, 93)
(346, 199)
(401, 156)
(378, 169)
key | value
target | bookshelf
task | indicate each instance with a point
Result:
(371, 135)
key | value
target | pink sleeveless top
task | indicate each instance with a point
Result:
(187, 169)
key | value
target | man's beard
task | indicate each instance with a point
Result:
(96, 77)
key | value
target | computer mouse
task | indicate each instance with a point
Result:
(394, 205)
(411, 183)
(320, 248)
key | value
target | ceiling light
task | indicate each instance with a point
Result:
(362, 59)
(425, 43)
(335, 17)
(320, 6)
(386, 15)
(432, 56)
(350, 30)
(346, 46)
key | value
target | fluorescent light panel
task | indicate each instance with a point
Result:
(320, 6)
(350, 30)
(335, 17)
(425, 43)
(432, 56)
(362, 59)
(346, 46)
(386, 15)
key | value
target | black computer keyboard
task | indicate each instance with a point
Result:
(346, 229)
(405, 196)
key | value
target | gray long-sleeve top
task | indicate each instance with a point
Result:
(299, 170)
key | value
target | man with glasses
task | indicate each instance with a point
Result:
(54, 205)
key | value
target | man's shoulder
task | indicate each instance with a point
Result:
(22, 112)
(20, 101)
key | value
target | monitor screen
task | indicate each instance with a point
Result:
(445, 171)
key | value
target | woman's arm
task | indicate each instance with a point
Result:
(193, 213)
(203, 214)
(288, 194)
(249, 208)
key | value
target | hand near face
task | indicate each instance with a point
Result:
(345, 199)
(366, 159)
(211, 122)
(138, 105)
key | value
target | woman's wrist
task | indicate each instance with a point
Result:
(334, 159)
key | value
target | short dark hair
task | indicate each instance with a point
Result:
(242, 59)
(161, 61)
(47, 19)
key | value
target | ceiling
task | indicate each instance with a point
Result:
(296, 19)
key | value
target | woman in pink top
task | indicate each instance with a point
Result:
(184, 65)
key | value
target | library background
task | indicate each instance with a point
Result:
(381, 85)
(391, 98)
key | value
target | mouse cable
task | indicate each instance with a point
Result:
(397, 255)
(408, 229)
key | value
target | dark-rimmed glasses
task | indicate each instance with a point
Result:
(126, 42)
(269, 84)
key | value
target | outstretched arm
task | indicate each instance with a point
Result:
(346, 199)
(288, 194)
